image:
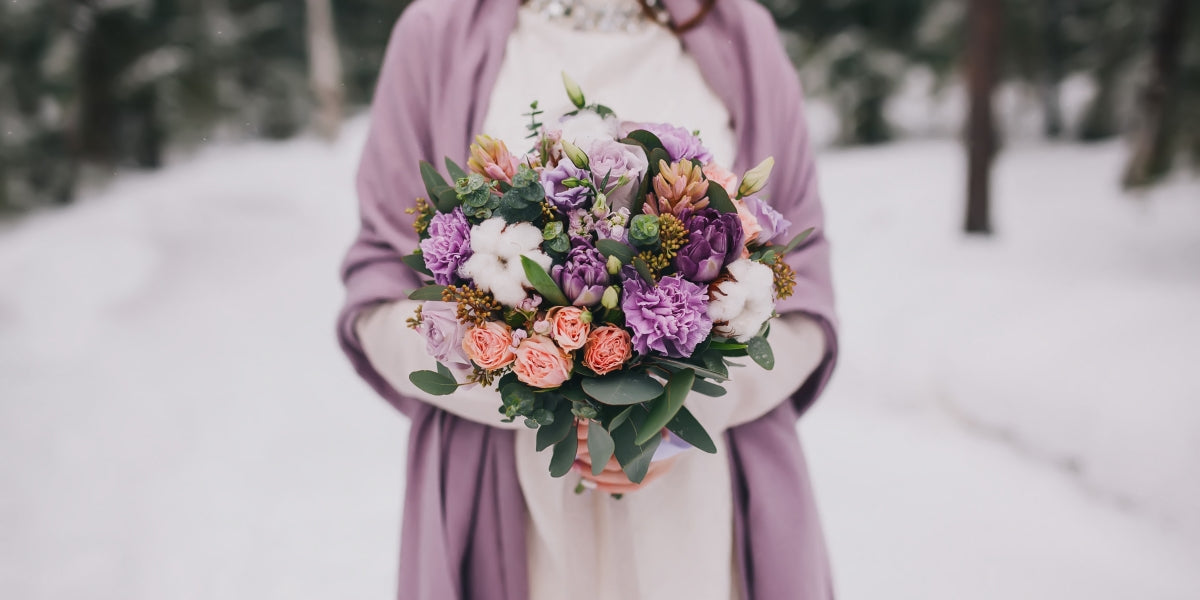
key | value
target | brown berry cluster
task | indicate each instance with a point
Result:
(475, 307)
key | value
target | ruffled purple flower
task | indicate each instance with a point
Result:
(679, 143)
(584, 275)
(670, 318)
(563, 197)
(715, 239)
(774, 226)
(448, 245)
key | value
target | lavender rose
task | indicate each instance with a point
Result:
(715, 239)
(774, 226)
(443, 332)
(584, 275)
(679, 143)
(448, 245)
(615, 160)
(562, 196)
(670, 318)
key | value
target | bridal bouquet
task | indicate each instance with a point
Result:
(597, 280)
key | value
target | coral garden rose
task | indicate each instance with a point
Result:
(750, 226)
(724, 177)
(568, 327)
(489, 345)
(607, 349)
(541, 364)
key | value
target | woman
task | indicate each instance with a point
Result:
(482, 518)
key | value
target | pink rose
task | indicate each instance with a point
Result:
(542, 364)
(489, 345)
(723, 177)
(567, 327)
(607, 349)
(750, 224)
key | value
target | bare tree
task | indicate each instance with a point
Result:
(325, 68)
(1154, 143)
(984, 24)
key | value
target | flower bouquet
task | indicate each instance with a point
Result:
(597, 281)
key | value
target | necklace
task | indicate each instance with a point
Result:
(608, 17)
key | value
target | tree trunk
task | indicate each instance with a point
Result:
(984, 23)
(324, 68)
(1052, 73)
(1154, 145)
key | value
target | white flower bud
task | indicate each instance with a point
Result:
(573, 91)
(756, 179)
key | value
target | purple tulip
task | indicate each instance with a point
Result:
(714, 240)
(584, 275)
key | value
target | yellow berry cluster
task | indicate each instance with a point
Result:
(424, 212)
(672, 235)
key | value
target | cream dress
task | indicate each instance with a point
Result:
(672, 539)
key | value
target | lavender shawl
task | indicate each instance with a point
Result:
(463, 533)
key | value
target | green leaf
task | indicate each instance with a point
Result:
(656, 155)
(564, 456)
(543, 283)
(634, 458)
(456, 172)
(760, 352)
(444, 371)
(718, 198)
(416, 262)
(447, 200)
(665, 408)
(429, 292)
(600, 446)
(614, 248)
(708, 388)
(796, 241)
(643, 269)
(647, 140)
(691, 431)
(620, 418)
(727, 346)
(714, 361)
(434, 182)
(432, 382)
(563, 425)
(700, 371)
(622, 389)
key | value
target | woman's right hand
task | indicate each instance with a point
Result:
(612, 479)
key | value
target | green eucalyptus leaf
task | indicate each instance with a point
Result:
(708, 388)
(456, 172)
(623, 388)
(666, 406)
(644, 270)
(700, 371)
(434, 182)
(718, 198)
(432, 382)
(416, 262)
(634, 458)
(691, 431)
(796, 241)
(563, 425)
(760, 352)
(600, 446)
(543, 283)
(647, 140)
(446, 200)
(429, 292)
(620, 418)
(727, 346)
(564, 456)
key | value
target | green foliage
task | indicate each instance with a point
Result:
(623, 388)
(523, 200)
(543, 283)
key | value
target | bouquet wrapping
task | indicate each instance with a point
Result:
(597, 280)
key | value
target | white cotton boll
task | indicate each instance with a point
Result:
(583, 128)
(743, 304)
(495, 265)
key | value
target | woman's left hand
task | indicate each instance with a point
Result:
(612, 479)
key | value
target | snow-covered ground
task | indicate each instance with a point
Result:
(1013, 418)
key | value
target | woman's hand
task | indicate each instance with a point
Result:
(612, 479)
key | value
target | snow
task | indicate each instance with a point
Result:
(1012, 417)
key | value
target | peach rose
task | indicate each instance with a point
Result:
(489, 345)
(607, 349)
(541, 364)
(750, 224)
(567, 327)
(723, 177)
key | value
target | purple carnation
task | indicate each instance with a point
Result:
(679, 143)
(563, 197)
(670, 318)
(714, 240)
(584, 275)
(774, 226)
(448, 245)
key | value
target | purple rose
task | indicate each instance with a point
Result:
(448, 245)
(714, 240)
(774, 226)
(584, 275)
(670, 318)
(563, 197)
(443, 332)
(679, 143)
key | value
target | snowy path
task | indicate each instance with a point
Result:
(177, 422)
